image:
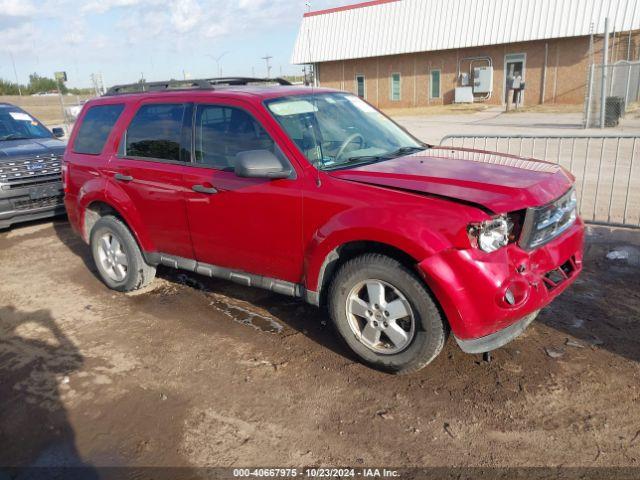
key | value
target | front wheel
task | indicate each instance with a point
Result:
(385, 314)
(118, 257)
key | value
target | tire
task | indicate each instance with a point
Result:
(424, 330)
(123, 249)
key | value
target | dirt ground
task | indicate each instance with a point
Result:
(198, 372)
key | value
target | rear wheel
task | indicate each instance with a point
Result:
(385, 314)
(117, 256)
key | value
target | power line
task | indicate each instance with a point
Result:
(267, 58)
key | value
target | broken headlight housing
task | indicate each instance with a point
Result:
(491, 235)
(543, 224)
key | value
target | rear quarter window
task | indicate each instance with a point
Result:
(95, 128)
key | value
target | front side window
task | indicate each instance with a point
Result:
(336, 130)
(95, 128)
(395, 87)
(222, 132)
(155, 132)
(19, 125)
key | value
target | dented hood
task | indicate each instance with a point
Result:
(498, 182)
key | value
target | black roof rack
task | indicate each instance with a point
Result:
(202, 84)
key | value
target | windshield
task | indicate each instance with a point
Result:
(17, 125)
(336, 130)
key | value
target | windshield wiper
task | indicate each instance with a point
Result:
(387, 156)
(14, 136)
(404, 151)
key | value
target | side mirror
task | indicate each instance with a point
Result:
(57, 132)
(260, 164)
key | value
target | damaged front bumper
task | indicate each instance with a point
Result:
(490, 299)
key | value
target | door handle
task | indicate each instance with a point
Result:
(203, 189)
(123, 178)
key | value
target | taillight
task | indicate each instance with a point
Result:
(65, 179)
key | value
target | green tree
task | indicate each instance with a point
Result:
(9, 88)
(39, 84)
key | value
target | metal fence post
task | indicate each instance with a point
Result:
(605, 59)
(587, 122)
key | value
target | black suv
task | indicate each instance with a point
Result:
(30, 163)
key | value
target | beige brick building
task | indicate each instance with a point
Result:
(549, 44)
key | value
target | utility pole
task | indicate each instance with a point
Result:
(60, 78)
(266, 58)
(98, 85)
(15, 72)
(605, 59)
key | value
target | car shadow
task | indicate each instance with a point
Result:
(36, 360)
(299, 316)
(75, 244)
(295, 313)
(600, 310)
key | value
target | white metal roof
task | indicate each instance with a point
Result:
(389, 27)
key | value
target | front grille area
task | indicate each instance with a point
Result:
(29, 170)
(557, 276)
(543, 224)
(30, 204)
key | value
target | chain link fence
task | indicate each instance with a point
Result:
(622, 90)
(607, 168)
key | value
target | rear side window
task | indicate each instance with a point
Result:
(95, 128)
(155, 132)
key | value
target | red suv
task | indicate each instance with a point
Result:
(313, 193)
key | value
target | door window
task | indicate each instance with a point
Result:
(156, 132)
(514, 69)
(95, 128)
(222, 132)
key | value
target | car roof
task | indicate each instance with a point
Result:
(10, 106)
(252, 93)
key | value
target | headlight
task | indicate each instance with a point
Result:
(543, 224)
(490, 235)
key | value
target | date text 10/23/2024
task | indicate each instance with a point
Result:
(315, 472)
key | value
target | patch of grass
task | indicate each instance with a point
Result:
(550, 108)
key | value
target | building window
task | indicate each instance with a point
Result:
(434, 91)
(395, 87)
(360, 86)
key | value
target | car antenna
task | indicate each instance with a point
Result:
(313, 93)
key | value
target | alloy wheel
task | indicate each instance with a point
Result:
(380, 316)
(113, 257)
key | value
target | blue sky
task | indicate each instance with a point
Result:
(124, 39)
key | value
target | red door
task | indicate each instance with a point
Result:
(248, 224)
(148, 169)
